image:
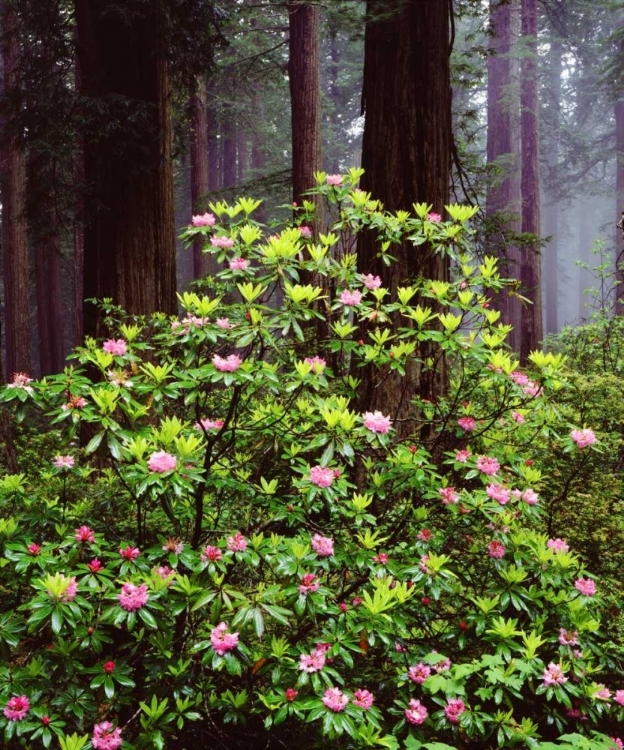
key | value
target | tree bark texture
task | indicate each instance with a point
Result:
(229, 136)
(551, 219)
(619, 192)
(304, 74)
(14, 222)
(130, 227)
(78, 230)
(407, 159)
(532, 330)
(500, 157)
(199, 171)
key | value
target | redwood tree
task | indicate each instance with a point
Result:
(406, 155)
(129, 239)
(531, 327)
(304, 73)
(14, 224)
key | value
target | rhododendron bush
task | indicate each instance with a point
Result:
(243, 553)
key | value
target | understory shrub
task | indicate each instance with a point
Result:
(226, 547)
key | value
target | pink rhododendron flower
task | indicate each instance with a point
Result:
(442, 666)
(85, 534)
(496, 549)
(376, 422)
(237, 543)
(95, 566)
(334, 179)
(133, 597)
(33, 549)
(568, 639)
(583, 438)
(161, 461)
(519, 378)
(352, 298)
(454, 709)
(517, 417)
(619, 697)
(164, 572)
(321, 476)
(499, 493)
(586, 586)
(21, 380)
(227, 364)
(64, 462)
(618, 742)
(448, 496)
(129, 553)
(105, 737)
(425, 535)
(371, 282)
(117, 347)
(69, 590)
(382, 558)
(224, 323)
(419, 673)
(291, 694)
(530, 497)
(222, 641)
(554, 675)
(602, 693)
(462, 456)
(75, 402)
(239, 264)
(305, 232)
(209, 424)
(173, 544)
(532, 389)
(17, 707)
(487, 465)
(322, 545)
(416, 713)
(422, 564)
(318, 364)
(558, 545)
(363, 699)
(467, 423)
(433, 217)
(203, 220)
(109, 667)
(335, 699)
(309, 584)
(313, 662)
(222, 242)
(211, 554)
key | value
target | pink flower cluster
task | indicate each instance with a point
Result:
(416, 713)
(222, 242)
(488, 465)
(85, 534)
(237, 543)
(449, 496)
(105, 737)
(222, 641)
(462, 456)
(371, 282)
(17, 707)
(211, 554)
(227, 364)
(70, 589)
(351, 298)
(334, 179)
(133, 597)
(209, 424)
(568, 639)
(435, 218)
(419, 673)
(322, 545)
(363, 699)
(558, 545)
(21, 380)
(309, 584)
(129, 553)
(117, 347)
(335, 699)
(318, 364)
(376, 422)
(64, 462)
(313, 662)
(454, 709)
(239, 264)
(499, 493)
(583, 438)
(161, 461)
(321, 476)
(467, 423)
(203, 220)
(496, 549)
(554, 675)
(586, 586)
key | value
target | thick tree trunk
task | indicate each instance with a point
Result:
(619, 193)
(229, 149)
(406, 157)
(530, 276)
(14, 223)
(551, 219)
(304, 74)
(130, 228)
(199, 171)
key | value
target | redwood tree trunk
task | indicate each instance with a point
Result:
(14, 224)
(406, 156)
(619, 193)
(199, 171)
(130, 228)
(532, 331)
(304, 74)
